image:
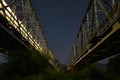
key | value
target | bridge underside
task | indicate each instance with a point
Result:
(107, 44)
(11, 41)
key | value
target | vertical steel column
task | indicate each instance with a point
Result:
(92, 21)
(113, 2)
(28, 17)
(96, 16)
(85, 35)
(74, 50)
(88, 25)
(88, 22)
(24, 15)
(14, 7)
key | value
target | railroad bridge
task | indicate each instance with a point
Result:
(20, 29)
(99, 33)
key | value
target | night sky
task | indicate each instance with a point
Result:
(60, 20)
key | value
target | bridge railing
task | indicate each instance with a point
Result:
(99, 15)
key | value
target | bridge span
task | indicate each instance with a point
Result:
(20, 29)
(99, 34)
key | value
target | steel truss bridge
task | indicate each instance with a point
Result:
(20, 28)
(99, 34)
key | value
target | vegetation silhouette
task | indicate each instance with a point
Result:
(34, 66)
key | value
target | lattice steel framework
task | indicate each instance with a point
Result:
(99, 15)
(22, 16)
